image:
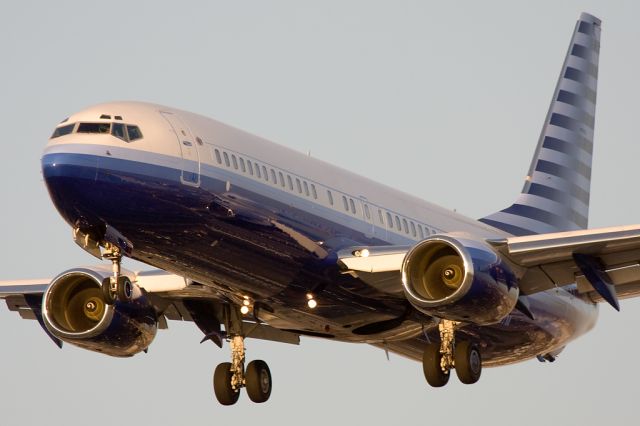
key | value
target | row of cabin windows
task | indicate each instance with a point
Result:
(261, 172)
(404, 225)
(301, 186)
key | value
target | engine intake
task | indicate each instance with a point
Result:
(74, 310)
(459, 278)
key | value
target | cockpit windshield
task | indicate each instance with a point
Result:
(62, 130)
(94, 127)
(125, 132)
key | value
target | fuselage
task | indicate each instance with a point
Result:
(247, 217)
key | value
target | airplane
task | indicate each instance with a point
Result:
(250, 239)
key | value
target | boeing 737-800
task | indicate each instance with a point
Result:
(253, 240)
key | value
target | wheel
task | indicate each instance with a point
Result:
(225, 394)
(468, 362)
(258, 381)
(108, 297)
(125, 289)
(431, 366)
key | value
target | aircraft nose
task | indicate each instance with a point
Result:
(69, 178)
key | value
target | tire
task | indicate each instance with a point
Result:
(108, 297)
(431, 366)
(225, 394)
(125, 289)
(258, 381)
(468, 362)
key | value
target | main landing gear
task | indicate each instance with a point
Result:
(117, 287)
(230, 377)
(439, 359)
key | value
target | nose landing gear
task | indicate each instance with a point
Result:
(439, 359)
(117, 287)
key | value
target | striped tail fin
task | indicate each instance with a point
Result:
(555, 196)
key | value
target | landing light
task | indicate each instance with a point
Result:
(311, 301)
(244, 310)
(361, 253)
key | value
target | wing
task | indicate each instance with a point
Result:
(173, 298)
(604, 262)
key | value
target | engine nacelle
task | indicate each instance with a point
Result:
(458, 278)
(74, 310)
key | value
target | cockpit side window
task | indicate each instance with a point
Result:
(134, 132)
(62, 130)
(94, 127)
(117, 130)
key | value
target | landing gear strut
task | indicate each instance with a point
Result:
(117, 287)
(230, 377)
(439, 359)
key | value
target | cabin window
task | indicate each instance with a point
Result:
(235, 161)
(380, 216)
(420, 234)
(299, 186)
(218, 158)
(353, 206)
(242, 166)
(258, 171)
(250, 167)
(366, 211)
(306, 188)
(273, 177)
(346, 204)
(330, 196)
(134, 133)
(63, 130)
(313, 192)
(226, 159)
(389, 220)
(405, 225)
(281, 179)
(290, 182)
(398, 223)
(413, 229)
(264, 173)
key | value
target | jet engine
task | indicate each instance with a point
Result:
(458, 278)
(74, 310)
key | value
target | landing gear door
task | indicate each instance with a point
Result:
(188, 149)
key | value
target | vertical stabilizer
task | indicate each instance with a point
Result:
(555, 196)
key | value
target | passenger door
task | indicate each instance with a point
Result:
(367, 215)
(188, 149)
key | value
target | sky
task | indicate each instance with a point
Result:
(443, 100)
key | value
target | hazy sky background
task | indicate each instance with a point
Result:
(443, 100)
